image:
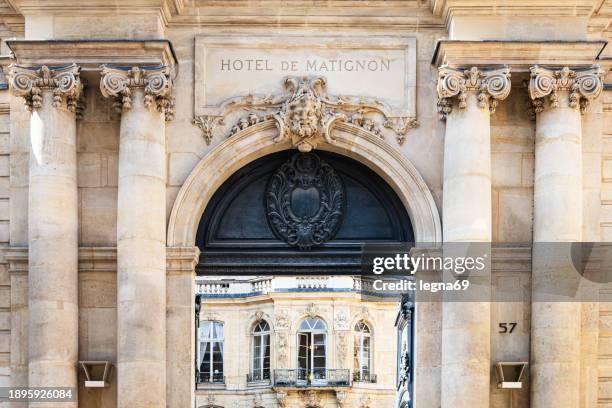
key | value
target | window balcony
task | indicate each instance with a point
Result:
(204, 378)
(258, 377)
(300, 378)
(364, 377)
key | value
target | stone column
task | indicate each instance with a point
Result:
(52, 95)
(558, 98)
(145, 100)
(466, 327)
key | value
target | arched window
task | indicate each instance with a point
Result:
(260, 360)
(362, 352)
(210, 352)
(312, 351)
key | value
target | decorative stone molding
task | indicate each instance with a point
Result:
(64, 82)
(490, 86)
(157, 84)
(582, 86)
(305, 114)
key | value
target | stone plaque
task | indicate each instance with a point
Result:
(380, 68)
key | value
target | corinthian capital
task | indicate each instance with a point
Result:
(29, 83)
(491, 86)
(156, 82)
(581, 86)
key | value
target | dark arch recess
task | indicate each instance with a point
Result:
(235, 237)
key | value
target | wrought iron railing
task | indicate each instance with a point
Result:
(364, 377)
(208, 378)
(312, 378)
(258, 376)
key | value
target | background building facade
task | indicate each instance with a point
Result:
(119, 121)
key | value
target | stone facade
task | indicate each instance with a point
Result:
(491, 121)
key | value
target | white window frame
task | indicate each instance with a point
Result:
(262, 355)
(212, 341)
(360, 336)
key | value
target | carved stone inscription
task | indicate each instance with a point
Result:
(231, 66)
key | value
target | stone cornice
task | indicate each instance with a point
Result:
(581, 86)
(91, 54)
(29, 83)
(490, 85)
(119, 83)
(165, 9)
(447, 9)
(520, 55)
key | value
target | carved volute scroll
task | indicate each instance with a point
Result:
(64, 82)
(156, 82)
(581, 86)
(305, 201)
(305, 114)
(491, 86)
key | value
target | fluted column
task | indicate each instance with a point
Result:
(466, 100)
(144, 97)
(558, 98)
(52, 95)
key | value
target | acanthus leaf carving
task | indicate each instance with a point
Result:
(490, 86)
(65, 83)
(156, 82)
(581, 86)
(305, 114)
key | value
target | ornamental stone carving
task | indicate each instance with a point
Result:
(491, 86)
(156, 82)
(310, 399)
(282, 344)
(581, 86)
(305, 114)
(305, 201)
(341, 398)
(311, 310)
(64, 82)
(281, 319)
(281, 397)
(341, 344)
(341, 321)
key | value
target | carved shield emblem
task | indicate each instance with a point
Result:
(305, 201)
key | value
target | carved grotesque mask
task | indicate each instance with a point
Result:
(303, 115)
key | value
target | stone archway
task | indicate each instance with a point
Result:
(258, 140)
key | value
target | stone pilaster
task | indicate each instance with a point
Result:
(180, 355)
(52, 95)
(466, 99)
(558, 96)
(144, 96)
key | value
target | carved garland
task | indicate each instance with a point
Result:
(65, 82)
(157, 84)
(582, 86)
(491, 86)
(306, 114)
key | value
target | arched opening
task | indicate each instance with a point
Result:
(291, 212)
